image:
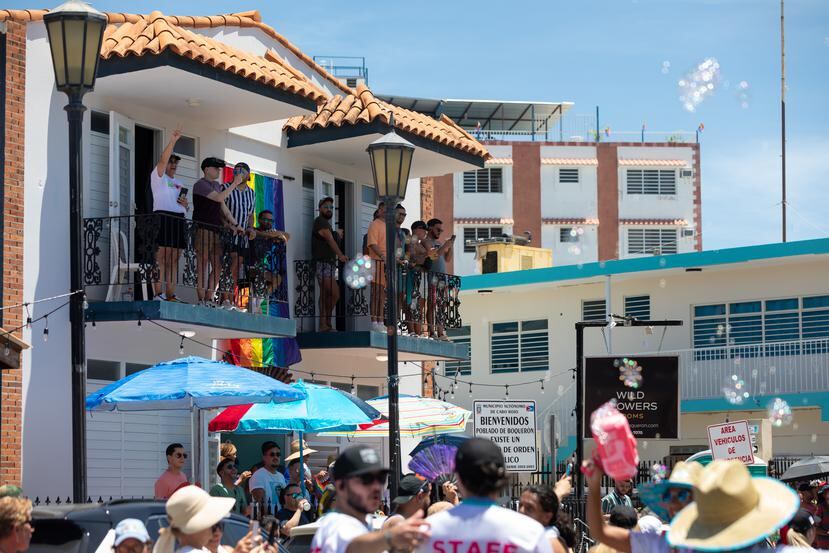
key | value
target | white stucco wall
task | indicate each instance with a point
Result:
(563, 200)
(645, 206)
(585, 250)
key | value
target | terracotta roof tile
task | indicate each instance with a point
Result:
(483, 221)
(569, 221)
(363, 107)
(245, 19)
(655, 222)
(499, 161)
(654, 162)
(156, 33)
(568, 161)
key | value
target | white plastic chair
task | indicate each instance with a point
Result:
(120, 267)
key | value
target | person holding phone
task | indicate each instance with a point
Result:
(169, 207)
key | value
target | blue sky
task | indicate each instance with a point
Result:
(609, 53)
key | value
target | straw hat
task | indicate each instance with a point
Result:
(191, 510)
(683, 476)
(732, 510)
(306, 451)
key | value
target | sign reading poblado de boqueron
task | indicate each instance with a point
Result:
(511, 425)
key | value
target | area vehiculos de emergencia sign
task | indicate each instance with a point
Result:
(511, 425)
(731, 440)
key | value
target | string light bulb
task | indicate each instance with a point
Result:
(506, 390)
(139, 324)
(46, 329)
(6, 348)
(353, 387)
(181, 346)
(542, 386)
(470, 388)
(85, 303)
(452, 391)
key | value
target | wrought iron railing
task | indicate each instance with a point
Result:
(125, 256)
(428, 302)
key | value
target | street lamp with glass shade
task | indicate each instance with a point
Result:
(75, 32)
(391, 161)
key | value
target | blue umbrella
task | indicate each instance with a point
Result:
(439, 439)
(324, 408)
(190, 383)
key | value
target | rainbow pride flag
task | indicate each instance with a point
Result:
(265, 352)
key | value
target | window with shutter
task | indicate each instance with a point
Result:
(660, 182)
(565, 234)
(482, 181)
(638, 307)
(593, 310)
(473, 234)
(520, 346)
(568, 175)
(651, 241)
(459, 336)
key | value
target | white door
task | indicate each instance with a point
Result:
(324, 187)
(121, 165)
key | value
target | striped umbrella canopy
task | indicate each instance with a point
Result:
(324, 408)
(419, 416)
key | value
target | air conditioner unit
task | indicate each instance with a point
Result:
(686, 173)
(688, 232)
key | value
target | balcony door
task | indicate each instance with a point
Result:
(121, 165)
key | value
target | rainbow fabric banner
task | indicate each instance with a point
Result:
(265, 352)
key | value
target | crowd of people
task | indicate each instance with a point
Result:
(719, 507)
(227, 243)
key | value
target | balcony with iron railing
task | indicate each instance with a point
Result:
(333, 308)
(220, 279)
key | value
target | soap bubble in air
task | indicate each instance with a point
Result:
(630, 373)
(658, 472)
(666, 67)
(779, 412)
(735, 390)
(359, 272)
(699, 83)
(743, 94)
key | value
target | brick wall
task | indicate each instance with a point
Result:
(12, 289)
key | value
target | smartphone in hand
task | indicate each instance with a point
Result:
(182, 193)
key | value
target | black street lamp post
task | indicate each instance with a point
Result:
(391, 160)
(75, 33)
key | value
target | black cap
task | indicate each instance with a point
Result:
(623, 517)
(174, 157)
(802, 521)
(357, 460)
(806, 486)
(473, 453)
(242, 165)
(410, 486)
(212, 162)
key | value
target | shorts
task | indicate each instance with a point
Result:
(208, 242)
(171, 229)
(326, 270)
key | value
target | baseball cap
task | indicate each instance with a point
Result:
(472, 454)
(212, 162)
(410, 486)
(130, 528)
(357, 460)
(623, 516)
(174, 157)
(806, 486)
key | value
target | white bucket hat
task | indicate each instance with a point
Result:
(191, 510)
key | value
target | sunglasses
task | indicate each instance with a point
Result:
(327, 206)
(297, 495)
(220, 527)
(180, 455)
(368, 479)
(266, 220)
(679, 495)
(277, 454)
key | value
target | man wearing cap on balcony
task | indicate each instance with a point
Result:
(478, 524)
(210, 214)
(169, 207)
(360, 477)
(325, 252)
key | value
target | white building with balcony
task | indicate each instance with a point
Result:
(757, 314)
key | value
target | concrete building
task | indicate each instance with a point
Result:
(757, 314)
(242, 92)
(584, 195)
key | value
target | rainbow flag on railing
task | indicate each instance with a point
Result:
(265, 352)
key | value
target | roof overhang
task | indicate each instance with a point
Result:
(347, 145)
(168, 82)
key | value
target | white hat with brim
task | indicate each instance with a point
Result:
(191, 509)
(732, 510)
(306, 451)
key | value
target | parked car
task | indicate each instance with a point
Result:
(81, 528)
